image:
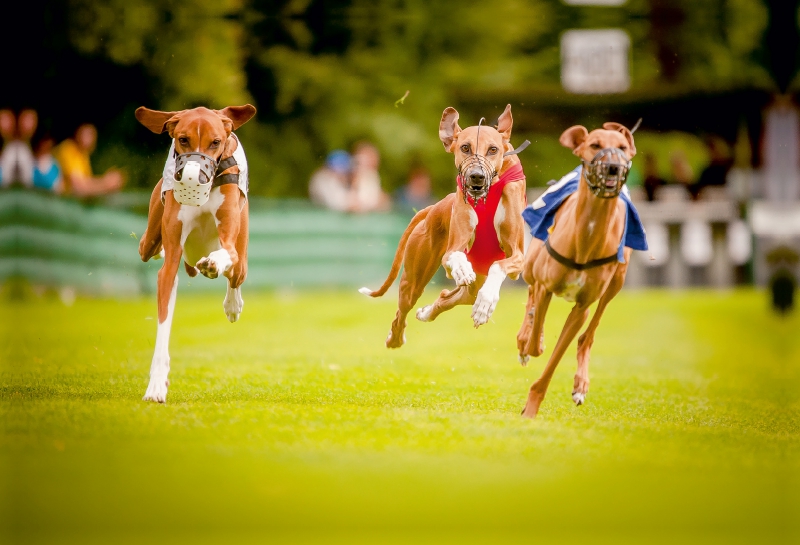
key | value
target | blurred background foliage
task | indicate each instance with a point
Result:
(325, 75)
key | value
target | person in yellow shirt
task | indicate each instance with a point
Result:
(73, 156)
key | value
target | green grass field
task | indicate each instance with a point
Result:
(296, 425)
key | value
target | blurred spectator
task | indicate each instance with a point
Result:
(416, 194)
(652, 181)
(16, 160)
(330, 185)
(73, 156)
(366, 181)
(716, 172)
(682, 172)
(781, 150)
(46, 172)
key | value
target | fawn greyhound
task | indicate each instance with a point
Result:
(589, 228)
(476, 233)
(198, 210)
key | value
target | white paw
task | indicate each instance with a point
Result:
(157, 389)
(578, 398)
(365, 291)
(233, 304)
(424, 314)
(217, 262)
(460, 269)
(484, 306)
(523, 360)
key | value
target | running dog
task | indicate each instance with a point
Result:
(198, 211)
(589, 227)
(476, 233)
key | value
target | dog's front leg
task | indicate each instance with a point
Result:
(463, 221)
(167, 292)
(150, 243)
(228, 223)
(575, 321)
(510, 233)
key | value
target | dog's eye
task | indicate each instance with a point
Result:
(492, 150)
(595, 146)
(465, 148)
(183, 141)
(215, 143)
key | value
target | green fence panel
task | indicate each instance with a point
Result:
(94, 249)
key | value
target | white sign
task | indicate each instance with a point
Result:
(595, 61)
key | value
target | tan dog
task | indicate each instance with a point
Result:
(581, 263)
(479, 241)
(210, 234)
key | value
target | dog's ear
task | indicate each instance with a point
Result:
(236, 115)
(448, 128)
(504, 124)
(156, 121)
(626, 133)
(573, 137)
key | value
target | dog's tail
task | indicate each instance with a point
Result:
(398, 256)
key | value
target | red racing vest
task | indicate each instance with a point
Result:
(486, 249)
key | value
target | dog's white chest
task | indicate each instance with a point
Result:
(199, 235)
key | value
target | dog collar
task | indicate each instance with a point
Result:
(567, 262)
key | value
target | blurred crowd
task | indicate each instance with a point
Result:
(715, 174)
(29, 157)
(351, 183)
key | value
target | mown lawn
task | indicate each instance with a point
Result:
(296, 425)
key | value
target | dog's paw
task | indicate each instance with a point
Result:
(394, 342)
(523, 360)
(157, 389)
(207, 268)
(233, 304)
(217, 262)
(578, 398)
(424, 314)
(460, 269)
(484, 306)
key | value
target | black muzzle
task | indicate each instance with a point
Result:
(607, 172)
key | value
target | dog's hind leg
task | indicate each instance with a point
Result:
(526, 327)
(461, 295)
(420, 264)
(150, 243)
(541, 301)
(580, 385)
(575, 321)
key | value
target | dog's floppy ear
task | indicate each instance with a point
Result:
(504, 124)
(237, 115)
(158, 121)
(448, 128)
(626, 133)
(573, 137)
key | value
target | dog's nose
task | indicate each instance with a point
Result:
(613, 170)
(477, 178)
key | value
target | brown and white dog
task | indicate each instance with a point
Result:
(476, 233)
(207, 171)
(579, 260)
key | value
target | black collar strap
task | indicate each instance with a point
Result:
(223, 179)
(578, 266)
